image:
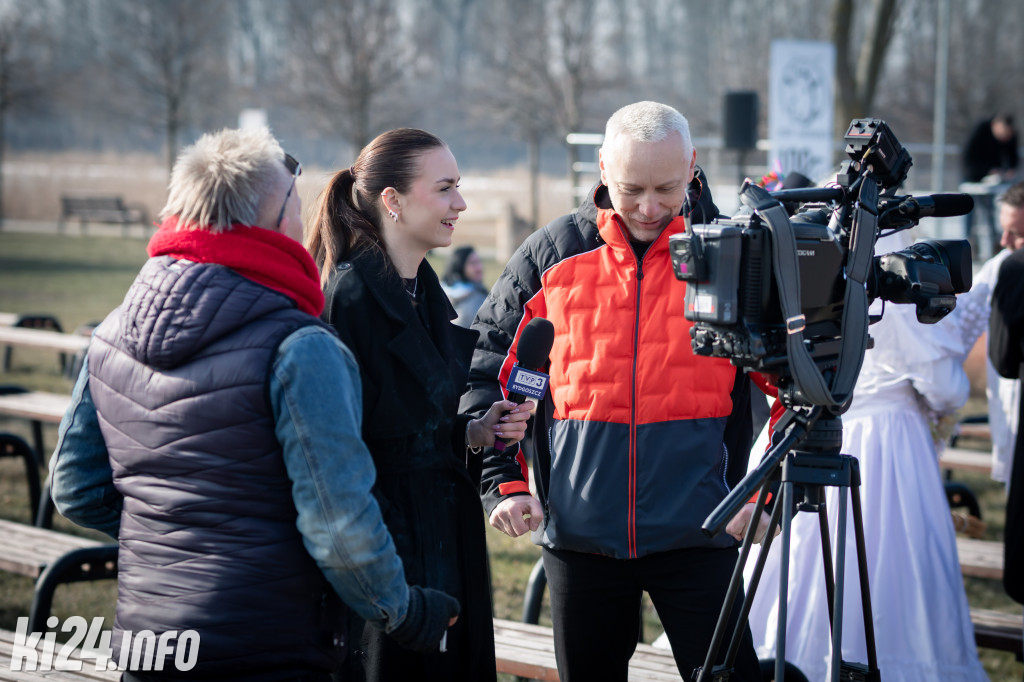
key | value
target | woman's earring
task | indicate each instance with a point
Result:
(394, 216)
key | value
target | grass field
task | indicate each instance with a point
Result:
(80, 279)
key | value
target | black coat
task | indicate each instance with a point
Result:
(412, 376)
(1006, 349)
(983, 153)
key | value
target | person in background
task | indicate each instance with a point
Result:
(637, 439)
(374, 224)
(214, 432)
(1003, 394)
(991, 150)
(1006, 352)
(911, 379)
(990, 160)
(463, 281)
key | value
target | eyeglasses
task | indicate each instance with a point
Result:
(295, 168)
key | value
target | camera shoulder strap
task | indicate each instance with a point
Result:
(854, 330)
(808, 377)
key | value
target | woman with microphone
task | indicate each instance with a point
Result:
(374, 224)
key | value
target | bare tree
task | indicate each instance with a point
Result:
(26, 52)
(167, 60)
(350, 57)
(857, 84)
(456, 16)
(539, 69)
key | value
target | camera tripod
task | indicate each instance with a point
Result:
(808, 458)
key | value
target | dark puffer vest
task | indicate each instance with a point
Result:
(208, 542)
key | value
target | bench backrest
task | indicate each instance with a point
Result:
(75, 204)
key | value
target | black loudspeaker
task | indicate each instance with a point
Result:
(740, 120)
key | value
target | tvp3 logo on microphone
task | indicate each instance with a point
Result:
(527, 382)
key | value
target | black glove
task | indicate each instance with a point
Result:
(426, 620)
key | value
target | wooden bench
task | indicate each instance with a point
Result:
(998, 630)
(67, 345)
(529, 651)
(88, 673)
(38, 407)
(980, 558)
(112, 210)
(992, 629)
(965, 460)
(979, 430)
(51, 559)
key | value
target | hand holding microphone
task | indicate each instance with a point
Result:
(505, 422)
(527, 380)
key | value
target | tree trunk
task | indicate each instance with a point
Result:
(574, 174)
(173, 124)
(533, 160)
(846, 82)
(3, 156)
(856, 89)
(872, 55)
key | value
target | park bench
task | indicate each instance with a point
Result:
(962, 459)
(980, 558)
(111, 209)
(998, 630)
(52, 558)
(38, 407)
(529, 651)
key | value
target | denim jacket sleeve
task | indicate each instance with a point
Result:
(81, 480)
(315, 393)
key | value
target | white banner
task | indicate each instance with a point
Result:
(800, 116)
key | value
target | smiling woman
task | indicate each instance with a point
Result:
(374, 223)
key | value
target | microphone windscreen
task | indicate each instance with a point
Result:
(535, 343)
(949, 205)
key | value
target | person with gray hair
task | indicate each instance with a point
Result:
(214, 431)
(637, 440)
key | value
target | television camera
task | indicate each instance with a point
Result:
(783, 288)
(764, 287)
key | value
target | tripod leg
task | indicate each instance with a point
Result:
(755, 580)
(788, 505)
(730, 597)
(837, 626)
(865, 595)
(826, 555)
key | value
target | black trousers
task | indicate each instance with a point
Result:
(595, 610)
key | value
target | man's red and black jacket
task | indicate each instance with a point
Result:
(638, 439)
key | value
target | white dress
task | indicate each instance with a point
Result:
(923, 630)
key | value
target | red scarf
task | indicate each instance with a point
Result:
(268, 258)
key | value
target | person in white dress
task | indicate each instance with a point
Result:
(923, 632)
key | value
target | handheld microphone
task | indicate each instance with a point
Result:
(936, 205)
(526, 379)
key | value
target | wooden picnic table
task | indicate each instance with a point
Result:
(38, 407)
(980, 558)
(41, 338)
(966, 460)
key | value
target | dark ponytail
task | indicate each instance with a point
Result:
(347, 215)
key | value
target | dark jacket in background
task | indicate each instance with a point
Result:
(984, 152)
(1006, 350)
(413, 363)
